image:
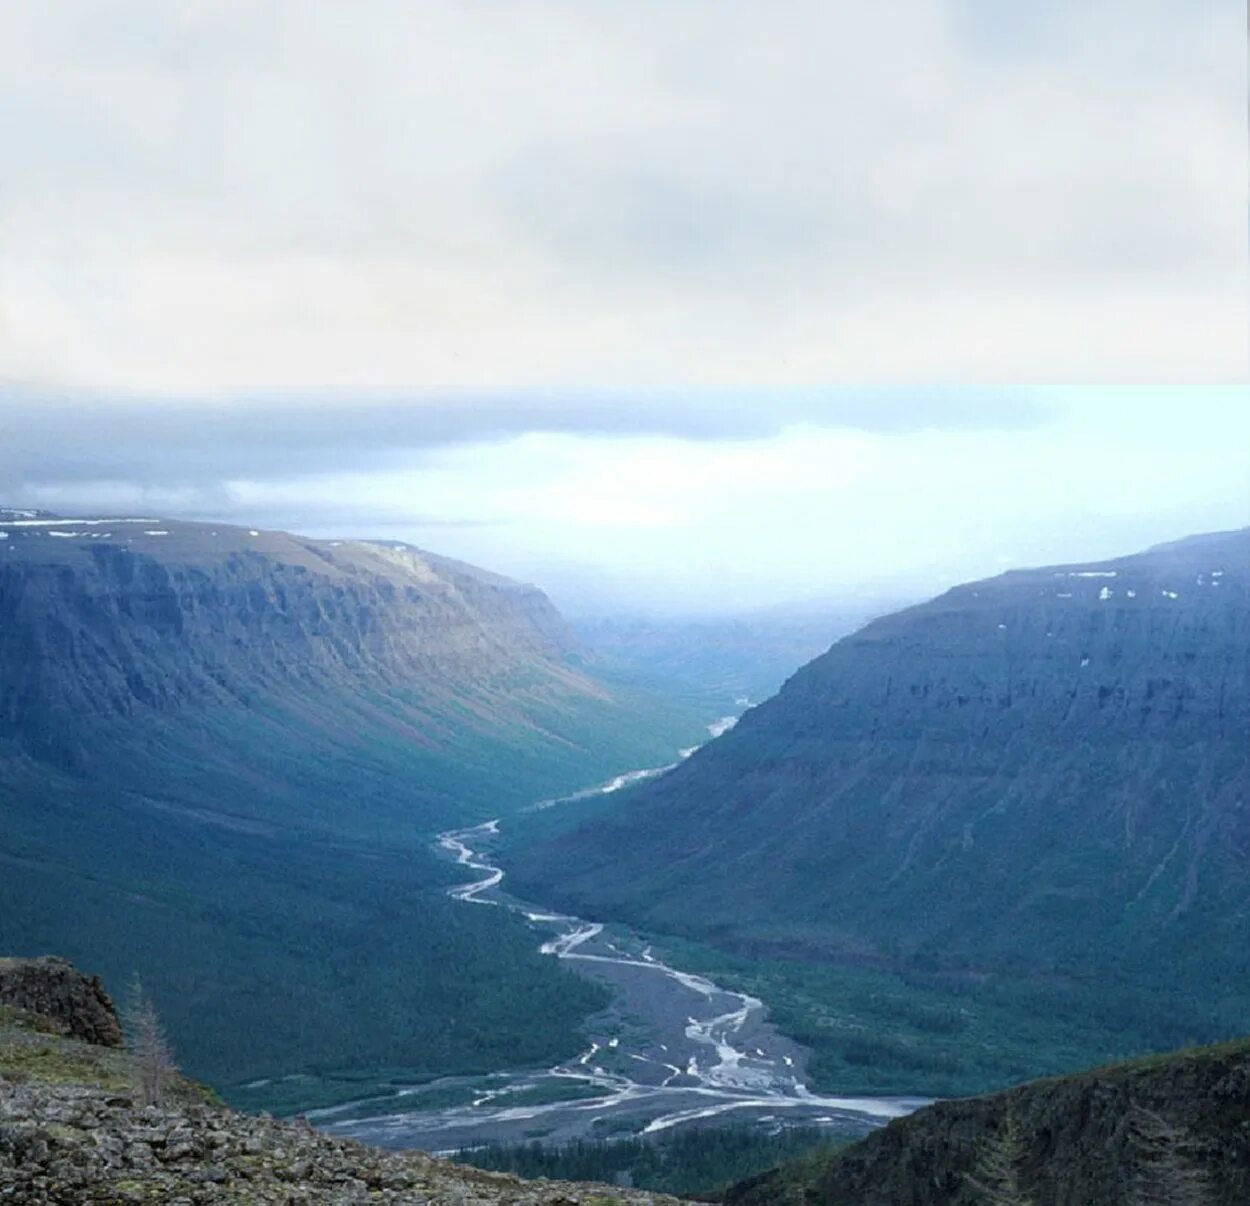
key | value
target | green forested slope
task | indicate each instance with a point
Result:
(223, 756)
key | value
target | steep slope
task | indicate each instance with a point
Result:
(237, 744)
(113, 625)
(1172, 1129)
(1044, 773)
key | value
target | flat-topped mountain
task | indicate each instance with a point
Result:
(238, 744)
(103, 614)
(143, 621)
(1044, 773)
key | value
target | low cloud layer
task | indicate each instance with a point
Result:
(194, 448)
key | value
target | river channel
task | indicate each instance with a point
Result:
(674, 1050)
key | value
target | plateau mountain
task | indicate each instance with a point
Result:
(224, 752)
(1042, 776)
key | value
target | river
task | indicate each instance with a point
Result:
(675, 1049)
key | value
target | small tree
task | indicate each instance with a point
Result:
(151, 1056)
(995, 1179)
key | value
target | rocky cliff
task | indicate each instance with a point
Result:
(1173, 1129)
(75, 1004)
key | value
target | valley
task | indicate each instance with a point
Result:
(674, 1049)
(222, 752)
(327, 799)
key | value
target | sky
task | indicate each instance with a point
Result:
(701, 306)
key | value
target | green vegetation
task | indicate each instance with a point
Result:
(32, 1052)
(699, 1162)
(1168, 1129)
(938, 1035)
(274, 954)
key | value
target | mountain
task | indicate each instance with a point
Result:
(1170, 1129)
(108, 622)
(224, 753)
(1043, 775)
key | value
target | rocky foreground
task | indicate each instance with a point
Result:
(73, 1129)
(71, 1144)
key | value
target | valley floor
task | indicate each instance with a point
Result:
(674, 1050)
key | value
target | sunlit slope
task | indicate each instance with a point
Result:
(1045, 771)
(284, 660)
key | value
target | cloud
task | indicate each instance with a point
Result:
(927, 494)
(548, 193)
(190, 449)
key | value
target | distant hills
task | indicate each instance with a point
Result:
(1045, 775)
(223, 754)
(735, 660)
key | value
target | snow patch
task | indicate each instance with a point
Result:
(155, 532)
(52, 523)
(1169, 594)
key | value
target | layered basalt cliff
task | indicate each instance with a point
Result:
(106, 616)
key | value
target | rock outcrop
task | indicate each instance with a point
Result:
(75, 1004)
(1172, 1129)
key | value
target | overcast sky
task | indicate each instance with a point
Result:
(609, 293)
